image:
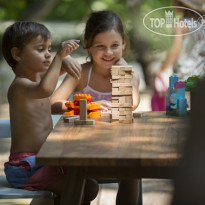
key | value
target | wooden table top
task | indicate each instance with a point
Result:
(153, 140)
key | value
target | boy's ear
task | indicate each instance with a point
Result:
(124, 44)
(15, 54)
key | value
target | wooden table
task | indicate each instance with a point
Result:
(150, 147)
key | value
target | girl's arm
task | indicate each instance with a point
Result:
(174, 51)
(71, 66)
(62, 94)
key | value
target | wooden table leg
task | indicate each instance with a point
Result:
(74, 187)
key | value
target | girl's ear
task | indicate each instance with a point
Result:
(15, 54)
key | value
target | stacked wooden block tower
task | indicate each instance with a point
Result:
(122, 83)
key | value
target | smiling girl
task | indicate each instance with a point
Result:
(105, 40)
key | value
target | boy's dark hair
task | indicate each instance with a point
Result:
(19, 35)
(102, 21)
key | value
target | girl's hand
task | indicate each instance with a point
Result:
(71, 66)
(121, 61)
(67, 47)
(104, 104)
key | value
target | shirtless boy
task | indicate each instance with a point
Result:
(26, 47)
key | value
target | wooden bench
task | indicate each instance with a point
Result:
(7, 192)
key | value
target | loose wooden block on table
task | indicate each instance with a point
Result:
(83, 115)
(70, 118)
(84, 122)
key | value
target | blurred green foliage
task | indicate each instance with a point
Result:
(76, 10)
(14, 9)
(65, 10)
(69, 10)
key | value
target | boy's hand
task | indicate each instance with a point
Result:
(121, 61)
(67, 47)
(71, 66)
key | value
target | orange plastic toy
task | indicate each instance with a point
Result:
(74, 106)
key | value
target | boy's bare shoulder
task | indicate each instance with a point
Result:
(17, 86)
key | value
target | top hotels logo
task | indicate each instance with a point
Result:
(162, 21)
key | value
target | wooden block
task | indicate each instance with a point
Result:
(120, 67)
(115, 109)
(128, 117)
(114, 120)
(115, 112)
(122, 80)
(121, 84)
(129, 88)
(128, 80)
(121, 105)
(122, 99)
(106, 114)
(128, 99)
(115, 89)
(127, 92)
(115, 97)
(125, 112)
(126, 121)
(122, 88)
(117, 77)
(126, 68)
(122, 117)
(139, 114)
(116, 117)
(70, 118)
(114, 80)
(84, 122)
(123, 72)
(128, 76)
(114, 71)
(83, 109)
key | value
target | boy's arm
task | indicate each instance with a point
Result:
(62, 94)
(47, 84)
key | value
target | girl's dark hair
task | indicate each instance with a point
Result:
(102, 21)
(20, 34)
